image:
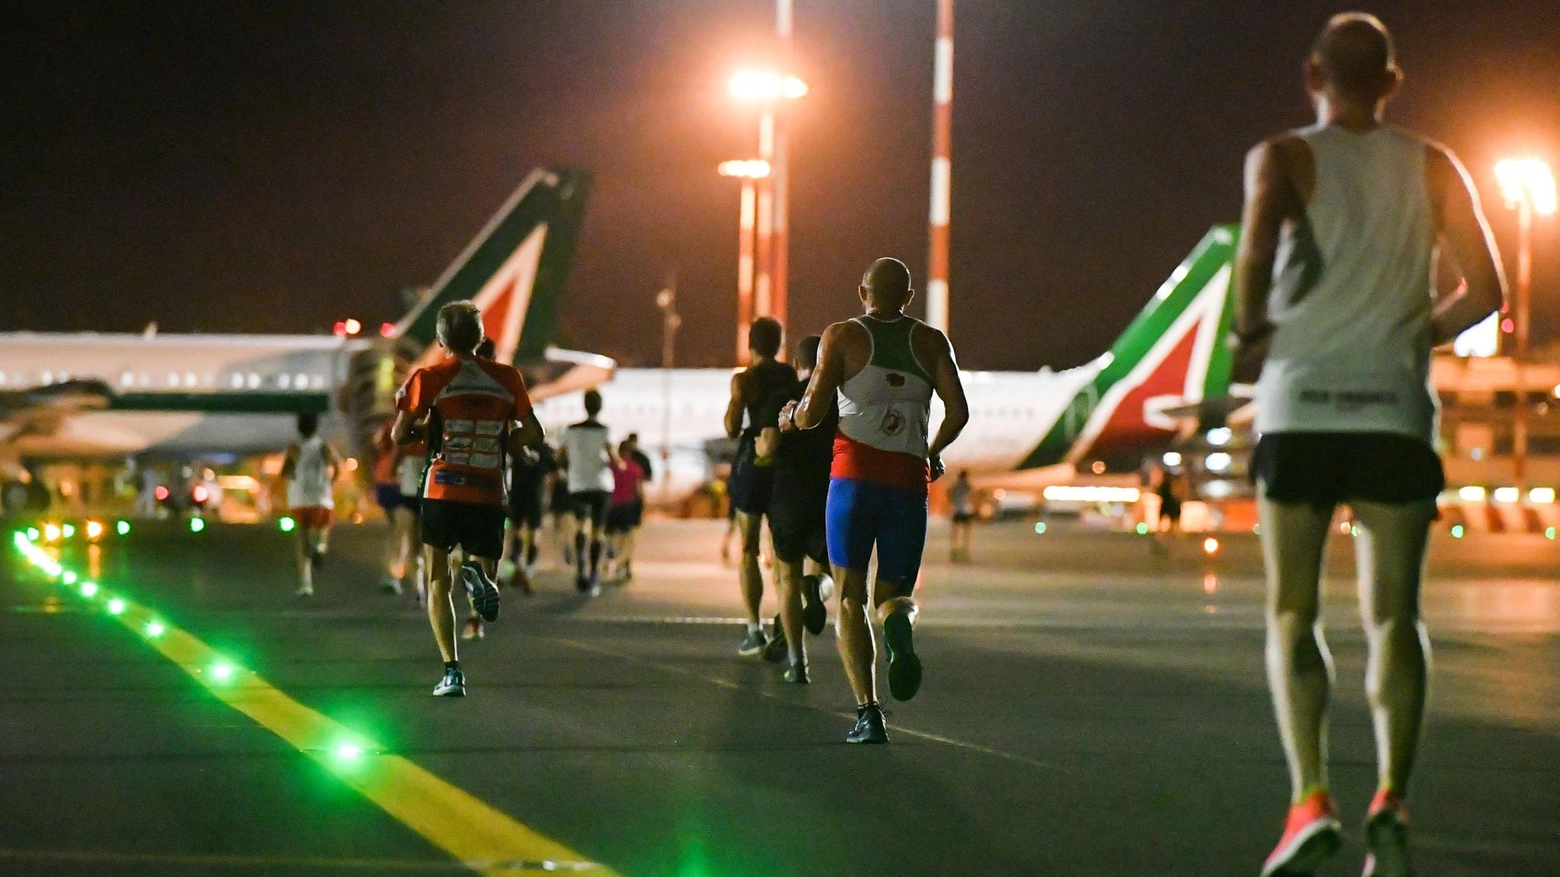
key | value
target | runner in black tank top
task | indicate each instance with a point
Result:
(750, 476)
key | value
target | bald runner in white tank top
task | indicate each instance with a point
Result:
(1352, 293)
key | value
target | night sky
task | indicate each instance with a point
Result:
(274, 167)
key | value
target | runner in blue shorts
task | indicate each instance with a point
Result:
(883, 367)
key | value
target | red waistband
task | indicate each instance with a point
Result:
(862, 462)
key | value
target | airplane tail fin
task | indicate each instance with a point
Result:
(514, 270)
(1172, 354)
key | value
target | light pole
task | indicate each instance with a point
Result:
(671, 321)
(767, 89)
(749, 171)
(1528, 186)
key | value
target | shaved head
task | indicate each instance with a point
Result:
(1354, 54)
(887, 283)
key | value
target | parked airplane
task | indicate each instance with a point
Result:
(90, 395)
(1170, 361)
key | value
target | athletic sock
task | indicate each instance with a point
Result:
(755, 627)
(451, 665)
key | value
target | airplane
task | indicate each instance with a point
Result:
(1167, 371)
(94, 395)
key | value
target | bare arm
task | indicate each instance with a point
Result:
(527, 435)
(408, 428)
(1270, 199)
(1464, 229)
(734, 407)
(950, 389)
(332, 461)
(825, 382)
(768, 441)
(290, 462)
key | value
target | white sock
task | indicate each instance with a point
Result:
(755, 627)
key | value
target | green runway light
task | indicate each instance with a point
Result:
(33, 534)
(122, 528)
(348, 752)
(286, 523)
(88, 589)
(69, 577)
(155, 630)
(1040, 528)
(68, 531)
(1457, 531)
(1549, 532)
(221, 672)
(197, 524)
(116, 606)
(1142, 528)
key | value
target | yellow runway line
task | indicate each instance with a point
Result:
(475, 834)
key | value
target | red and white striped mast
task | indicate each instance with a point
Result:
(942, 168)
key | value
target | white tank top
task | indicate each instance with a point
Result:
(1352, 293)
(589, 466)
(310, 484)
(887, 405)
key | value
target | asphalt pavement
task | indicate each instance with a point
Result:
(1091, 707)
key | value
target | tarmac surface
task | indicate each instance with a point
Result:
(1090, 707)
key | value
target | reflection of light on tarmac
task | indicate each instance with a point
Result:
(95, 561)
(1210, 583)
(1530, 605)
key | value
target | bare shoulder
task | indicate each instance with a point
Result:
(931, 344)
(1285, 148)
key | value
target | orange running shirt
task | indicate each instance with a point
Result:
(470, 403)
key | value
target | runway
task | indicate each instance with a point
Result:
(1091, 707)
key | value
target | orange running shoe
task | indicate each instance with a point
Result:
(1386, 830)
(1311, 834)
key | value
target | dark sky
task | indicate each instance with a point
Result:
(276, 166)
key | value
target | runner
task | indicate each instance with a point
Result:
(529, 472)
(1169, 520)
(472, 411)
(626, 509)
(796, 517)
(411, 464)
(310, 467)
(750, 476)
(961, 496)
(588, 459)
(1333, 273)
(387, 495)
(884, 367)
(560, 507)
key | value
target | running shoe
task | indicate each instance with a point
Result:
(473, 629)
(482, 590)
(870, 727)
(317, 557)
(753, 642)
(904, 668)
(390, 584)
(775, 649)
(815, 612)
(582, 584)
(1311, 834)
(796, 674)
(452, 685)
(1386, 831)
(305, 591)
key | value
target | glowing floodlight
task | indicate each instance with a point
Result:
(745, 168)
(1527, 179)
(94, 530)
(765, 86)
(1210, 546)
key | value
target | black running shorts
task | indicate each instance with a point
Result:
(479, 529)
(622, 518)
(525, 508)
(1328, 468)
(589, 505)
(799, 530)
(750, 484)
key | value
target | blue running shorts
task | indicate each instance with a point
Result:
(864, 514)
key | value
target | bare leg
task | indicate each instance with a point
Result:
(788, 582)
(748, 573)
(857, 649)
(1299, 667)
(1391, 557)
(441, 610)
(305, 566)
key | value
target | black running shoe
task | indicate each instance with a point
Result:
(753, 643)
(452, 685)
(390, 584)
(904, 668)
(482, 590)
(814, 613)
(796, 674)
(869, 726)
(775, 650)
(582, 584)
